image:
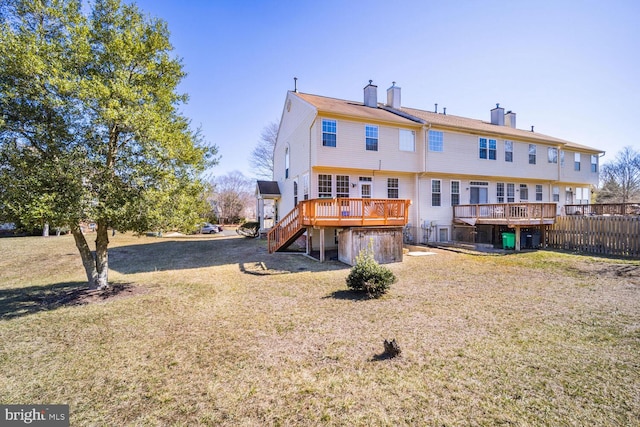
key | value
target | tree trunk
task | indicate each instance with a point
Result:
(96, 267)
(102, 256)
(87, 257)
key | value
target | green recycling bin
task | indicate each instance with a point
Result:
(508, 240)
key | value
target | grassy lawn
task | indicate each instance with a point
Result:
(198, 333)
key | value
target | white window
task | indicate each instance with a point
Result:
(342, 186)
(508, 151)
(552, 154)
(487, 148)
(436, 141)
(532, 154)
(576, 162)
(511, 193)
(436, 196)
(455, 193)
(500, 192)
(324, 186)
(594, 163)
(538, 193)
(524, 192)
(371, 137)
(392, 188)
(329, 133)
(407, 140)
(305, 186)
(556, 194)
(286, 162)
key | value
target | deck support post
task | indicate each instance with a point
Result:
(321, 244)
(517, 248)
(308, 241)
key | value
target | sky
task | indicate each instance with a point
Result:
(569, 68)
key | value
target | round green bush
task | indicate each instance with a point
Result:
(368, 276)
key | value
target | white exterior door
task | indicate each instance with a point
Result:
(365, 190)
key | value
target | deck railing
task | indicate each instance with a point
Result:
(355, 212)
(611, 209)
(339, 212)
(506, 212)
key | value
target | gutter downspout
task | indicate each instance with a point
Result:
(425, 145)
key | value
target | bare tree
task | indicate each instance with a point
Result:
(262, 155)
(621, 178)
(233, 196)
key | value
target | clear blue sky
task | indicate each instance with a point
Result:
(570, 68)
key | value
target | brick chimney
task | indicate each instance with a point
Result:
(371, 95)
(393, 96)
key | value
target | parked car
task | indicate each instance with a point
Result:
(210, 228)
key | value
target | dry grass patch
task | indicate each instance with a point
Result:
(530, 339)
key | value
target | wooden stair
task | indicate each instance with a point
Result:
(286, 231)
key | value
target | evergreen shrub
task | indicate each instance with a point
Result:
(368, 276)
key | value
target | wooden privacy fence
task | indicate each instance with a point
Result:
(603, 235)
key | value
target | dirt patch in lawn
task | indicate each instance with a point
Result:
(20, 302)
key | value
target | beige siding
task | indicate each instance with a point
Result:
(461, 156)
(570, 175)
(350, 151)
(294, 134)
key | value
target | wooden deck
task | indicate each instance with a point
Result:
(509, 214)
(337, 213)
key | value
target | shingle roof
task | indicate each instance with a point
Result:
(352, 109)
(268, 188)
(413, 116)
